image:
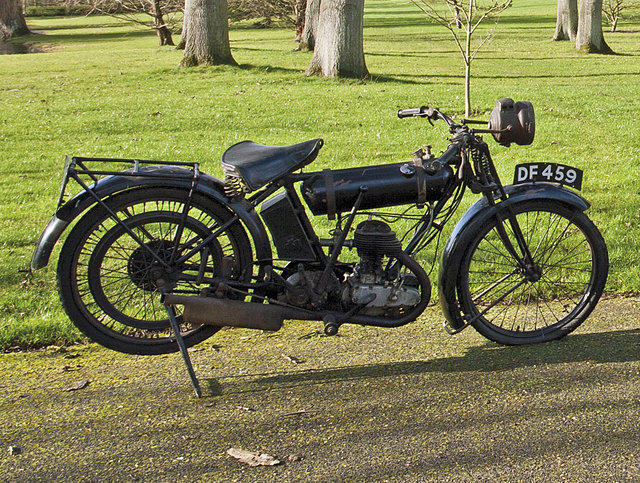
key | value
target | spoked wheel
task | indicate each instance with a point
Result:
(111, 276)
(551, 296)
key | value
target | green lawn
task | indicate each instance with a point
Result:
(105, 88)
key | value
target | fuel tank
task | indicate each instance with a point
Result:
(335, 191)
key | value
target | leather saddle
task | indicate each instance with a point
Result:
(257, 164)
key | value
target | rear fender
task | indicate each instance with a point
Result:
(479, 213)
(207, 185)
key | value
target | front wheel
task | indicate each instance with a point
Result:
(551, 296)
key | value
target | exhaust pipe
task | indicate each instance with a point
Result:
(232, 313)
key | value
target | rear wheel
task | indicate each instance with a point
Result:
(549, 298)
(110, 283)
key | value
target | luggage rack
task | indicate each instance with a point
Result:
(84, 171)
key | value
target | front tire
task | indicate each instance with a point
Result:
(554, 295)
(110, 285)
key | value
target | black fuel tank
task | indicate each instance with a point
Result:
(386, 186)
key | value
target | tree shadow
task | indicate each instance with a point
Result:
(91, 37)
(601, 347)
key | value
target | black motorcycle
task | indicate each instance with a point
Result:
(163, 255)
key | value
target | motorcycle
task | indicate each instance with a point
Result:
(161, 255)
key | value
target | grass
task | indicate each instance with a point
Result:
(105, 88)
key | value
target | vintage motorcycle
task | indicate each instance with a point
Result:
(163, 255)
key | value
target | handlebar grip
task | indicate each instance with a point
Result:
(414, 112)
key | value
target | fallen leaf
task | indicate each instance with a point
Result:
(302, 411)
(243, 408)
(14, 450)
(251, 458)
(293, 360)
(78, 385)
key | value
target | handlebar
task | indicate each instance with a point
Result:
(430, 113)
(414, 112)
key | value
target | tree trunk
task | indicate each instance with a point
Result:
(299, 11)
(590, 37)
(467, 72)
(566, 20)
(208, 33)
(163, 32)
(311, 18)
(185, 28)
(338, 50)
(12, 21)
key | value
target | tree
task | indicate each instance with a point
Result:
(613, 9)
(162, 31)
(129, 10)
(12, 21)
(566, 20)
(469, 14)
(299, 12)
(266, 11)
(185, 29)
(207, 41)
(590, 37)
(338, 50)
(311, 18)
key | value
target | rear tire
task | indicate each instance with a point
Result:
(109, 284)
(564, 285)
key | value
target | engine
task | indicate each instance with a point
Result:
(376, 286)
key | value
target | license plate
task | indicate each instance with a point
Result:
(548, 173)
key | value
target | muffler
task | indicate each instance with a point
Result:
(232, 313)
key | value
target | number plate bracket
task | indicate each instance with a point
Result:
(548, 173)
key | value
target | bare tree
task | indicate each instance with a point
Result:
(264, 11)
(470, 13)
(338, 48)
(129, 10)
(311, 18)
(590, 37)
(566, 20)
(612, 10)
(12, 21)
(207, 40)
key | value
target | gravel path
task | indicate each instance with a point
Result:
(408, 404)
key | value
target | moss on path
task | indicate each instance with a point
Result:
(409, 404)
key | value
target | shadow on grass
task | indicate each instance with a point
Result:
(602, 347)
(91, 37)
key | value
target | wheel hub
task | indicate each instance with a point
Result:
(143, 269)
(533, 273)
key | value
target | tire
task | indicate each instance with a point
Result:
(110, 285)
(551, 301)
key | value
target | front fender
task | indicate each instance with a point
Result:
(207, 185)
(480, 211)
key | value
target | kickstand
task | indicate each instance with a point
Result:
(183, 350)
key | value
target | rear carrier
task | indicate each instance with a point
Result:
(335, 191)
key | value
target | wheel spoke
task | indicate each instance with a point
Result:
(512, 305)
